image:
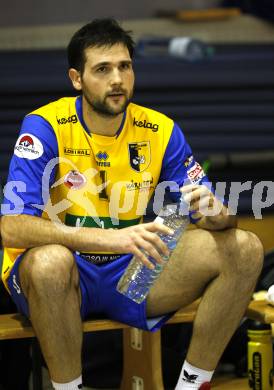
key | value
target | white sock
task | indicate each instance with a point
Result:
(76, 384)
(192, 377)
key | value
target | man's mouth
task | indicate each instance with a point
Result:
(116, 94)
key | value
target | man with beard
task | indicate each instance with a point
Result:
(87, 167)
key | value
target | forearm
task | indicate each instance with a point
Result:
(26, 231)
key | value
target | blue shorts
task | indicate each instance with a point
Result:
(99, 296)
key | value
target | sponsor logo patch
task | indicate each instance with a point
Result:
(195, 173)
(188, 161)
(189, 378)
(139, 155)
(28, 146)
(75, 180)
(147, 125)
(102, 157)
(76, 152)
(99, 258)
(143, 185)
(69, 119)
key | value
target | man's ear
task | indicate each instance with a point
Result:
(75, 77)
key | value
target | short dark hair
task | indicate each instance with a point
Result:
(98, 33)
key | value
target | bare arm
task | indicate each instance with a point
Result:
(218, 222)
(210, 212)
(26, 231)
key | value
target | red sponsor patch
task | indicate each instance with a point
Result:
(75, 180)
(26, 140)
(195, 173)
(28, 146)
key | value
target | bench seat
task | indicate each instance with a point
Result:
(142, 362)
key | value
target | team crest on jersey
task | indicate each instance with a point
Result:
(28, 146)
(75, 180)
(139, 155)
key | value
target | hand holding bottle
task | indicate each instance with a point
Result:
(206, 209)
(144, 241)
(138, 278)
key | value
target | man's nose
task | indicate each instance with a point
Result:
(116, 77)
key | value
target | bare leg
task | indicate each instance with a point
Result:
(221, 266)
(50, 281)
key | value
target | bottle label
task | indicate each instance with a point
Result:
(255, 375)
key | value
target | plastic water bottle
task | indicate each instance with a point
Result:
(186, 48)
(189, 48)
(138, 279)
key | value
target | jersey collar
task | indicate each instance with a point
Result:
(79, 110)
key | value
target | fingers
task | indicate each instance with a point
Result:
(148, 243)
(199, 199)
(156, 227)
(142, 257)
(154, 241)
(193, 193)
(153, 246)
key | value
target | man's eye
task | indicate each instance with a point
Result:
(102, 69)
(125, 66)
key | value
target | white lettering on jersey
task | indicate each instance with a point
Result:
(28, 146)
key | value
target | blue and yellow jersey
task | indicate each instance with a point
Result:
(63, 172)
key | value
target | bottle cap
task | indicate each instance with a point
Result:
(257, 325)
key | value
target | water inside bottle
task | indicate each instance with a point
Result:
(138, 279)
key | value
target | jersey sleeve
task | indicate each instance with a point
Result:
(179, 165)
(35, 147)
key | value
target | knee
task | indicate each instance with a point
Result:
(247, 252)
(47, 269)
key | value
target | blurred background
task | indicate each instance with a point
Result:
(34, 13)
(217, 82)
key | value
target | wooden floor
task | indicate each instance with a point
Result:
(224, 382)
